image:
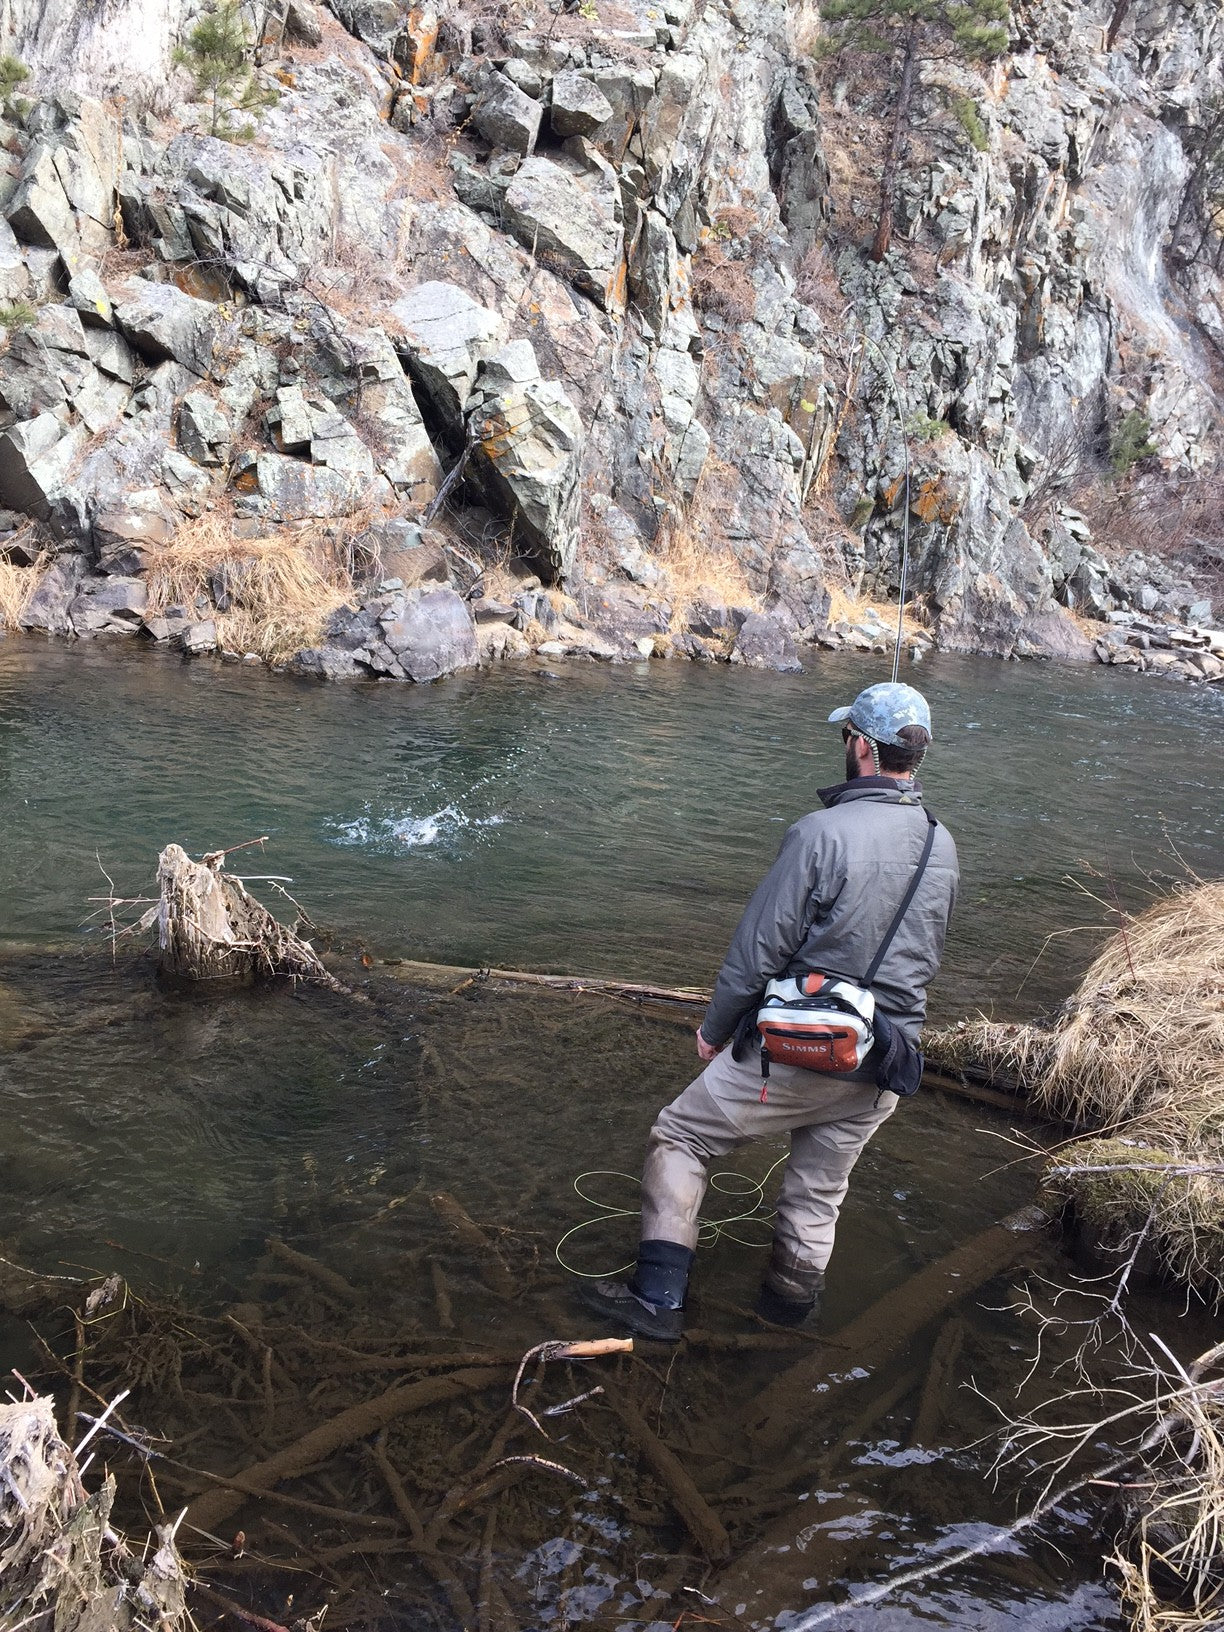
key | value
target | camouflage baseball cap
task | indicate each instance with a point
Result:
(881, 711)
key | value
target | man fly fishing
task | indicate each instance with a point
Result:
(814, 1023)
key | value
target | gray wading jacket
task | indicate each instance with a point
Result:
(827, 902)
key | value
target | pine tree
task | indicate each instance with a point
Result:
(215, 56)
(909, 32)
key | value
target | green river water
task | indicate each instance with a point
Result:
(602, 820)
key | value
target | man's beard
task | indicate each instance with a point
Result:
(852, 769)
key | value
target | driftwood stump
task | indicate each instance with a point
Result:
(211, 928)
(64, 1568)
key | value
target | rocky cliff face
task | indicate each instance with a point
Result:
(588, 291)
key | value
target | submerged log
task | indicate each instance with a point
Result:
(702, 1523)
(881, 1332)
(459, 978)
(212, 1507)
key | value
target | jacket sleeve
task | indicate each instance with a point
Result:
(767, 937)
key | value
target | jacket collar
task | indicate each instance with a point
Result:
(883, 788)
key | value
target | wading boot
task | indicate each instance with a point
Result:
(791, 1292)
(651, 1302)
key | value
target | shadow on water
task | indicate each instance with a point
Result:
(612, 824)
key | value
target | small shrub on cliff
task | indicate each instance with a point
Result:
(965, 111)
(1130, 442)
(13, 72)
(216, 56)
(17, 314)
(923, 428)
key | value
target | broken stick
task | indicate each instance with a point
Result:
(493, 1272)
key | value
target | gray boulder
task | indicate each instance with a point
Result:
(302, 23)
(375, 23)
(288, 489)
(87, 295)
(14, 273)
(506, 116)
(569, 217)
(47, 609)
(578, 106)
(446, 334)
(326, 663)
(431, 636)
(197, 638)
(204, 434)
(399, 549)
(654, 269)
(529, 442)
(350, 629)
(765, 643)
(110, 354)
(164, 324)
(405, 454)
(169, 624)
(109, 606)
(64, 197)
(1052, 634)
(127, 537)
(36, 457)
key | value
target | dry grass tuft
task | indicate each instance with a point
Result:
(280, 590)
(1141, 1041)
(17, 585)
(698, 570)
(1138, 1049)
(846, 607)
(723, 286)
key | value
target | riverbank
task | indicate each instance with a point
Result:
(396, 601)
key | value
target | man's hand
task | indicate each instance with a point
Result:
(703, 1048)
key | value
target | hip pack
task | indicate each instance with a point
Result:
(823, 1021)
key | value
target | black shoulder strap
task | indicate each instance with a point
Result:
(906, 899)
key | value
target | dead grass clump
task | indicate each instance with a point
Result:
(698, 570)
(817, 285)
(17, 585)
(1138, 1049)
(700, 562)
(847, 607)
(273, 594)
(1141, 1041)
(723, 286)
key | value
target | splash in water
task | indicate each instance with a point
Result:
(391, 834)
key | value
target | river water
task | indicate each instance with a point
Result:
(602, 820)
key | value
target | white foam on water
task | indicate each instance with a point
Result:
(394, 834)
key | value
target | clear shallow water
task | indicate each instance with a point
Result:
(608, 821)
